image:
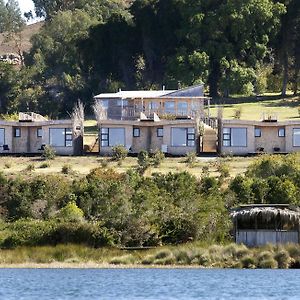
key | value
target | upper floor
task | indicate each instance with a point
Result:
(128, 105)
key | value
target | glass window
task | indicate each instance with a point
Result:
(57, 137)
(170, 107)
(17, 132)
(296, 137)
(39, 132)
(2, 136)
(153, 105)
(257, 132)
(281, 132)
(136, 132)
(235, 137)
(61, 137)
(116, 137)
(182, 108)
(104, 103)
(179, 137)
(160, 132)
(183, 137)
(239, 137)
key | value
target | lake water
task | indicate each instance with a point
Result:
(153, 284)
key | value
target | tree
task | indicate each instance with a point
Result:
(11, 24)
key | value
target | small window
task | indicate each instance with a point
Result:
(39, 132)
(136, 132)
(160, 132)
(281, 132)
(17, 132)
(257, 132)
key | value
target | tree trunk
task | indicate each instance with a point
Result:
(214, 78)
(285, 74)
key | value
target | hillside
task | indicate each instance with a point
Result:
(27, 33)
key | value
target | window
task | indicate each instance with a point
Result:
(39, 132)
(257, 132)
(104, 103)
(160, 132)
(182, 108)
(136, 132)
(122, 102)
(235, 137)
(153, 105)
(170, 107)
(183, 137)
(17, 132)
(61, 137)
(281, 132)
(296, 137)
(2, 137)
(111, 137)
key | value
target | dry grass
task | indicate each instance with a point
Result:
(82, 165)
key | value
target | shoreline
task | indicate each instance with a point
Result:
(93, 265)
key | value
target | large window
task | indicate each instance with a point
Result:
(61, 137)
(111, 137)
(182, 108)
(183, 137)
(296, 137)
(153, 106)
(170, 107)
(2, 137)
(235, 137)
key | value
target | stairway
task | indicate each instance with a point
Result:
(209, 140)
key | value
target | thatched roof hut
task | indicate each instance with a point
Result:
(260, 223)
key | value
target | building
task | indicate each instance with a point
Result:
(32, 132)
(256, 225)
(164, 120)
(243, 137)
(128, 105)
(174, 137)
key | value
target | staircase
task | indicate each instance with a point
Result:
(209, 140)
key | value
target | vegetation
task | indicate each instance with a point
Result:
(256, 52)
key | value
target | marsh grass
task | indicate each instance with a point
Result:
(214, 256)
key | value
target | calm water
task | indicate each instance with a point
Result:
(149, 284)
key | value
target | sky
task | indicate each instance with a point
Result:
(26, 5)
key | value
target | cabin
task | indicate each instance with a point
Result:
(260, 224)
(174, 137)
(32, 132)
(244, 137)
(128, 105)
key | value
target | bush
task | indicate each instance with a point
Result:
(30, 167)
(71, 213)
(248, 262)
(48, 153)
(123, 260)
(104, 163)
(119, 153)
(283, 259)
(45, 165)
(158, 158)
(191, 159)
(238, 113)
(66, 169)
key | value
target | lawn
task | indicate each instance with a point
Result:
(253, 108)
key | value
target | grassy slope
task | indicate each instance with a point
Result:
(252, 108)
(27, 33)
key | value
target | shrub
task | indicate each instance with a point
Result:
(104, 163)
(148, 260)
(45, 165)
(182, 257)
(248, 262)
(66, 169)
(122, 260)
(191, 159)
(48, 153)
(119, 153)
(158, 158)
(238, 113)
(268, 264)
(30, 167)
(71, 213)
(283, 259)
(162, 254)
